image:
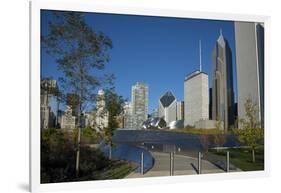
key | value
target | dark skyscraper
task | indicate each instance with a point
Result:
(210, 103)
(222, 88)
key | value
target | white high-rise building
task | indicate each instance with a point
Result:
(249, 43)
(196, 98)
(196, 95)
(128, 119)
(139, 104)
(168, 107)
(101, 113)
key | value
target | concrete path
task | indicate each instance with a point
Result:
(182, 165)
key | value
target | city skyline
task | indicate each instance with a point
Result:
(162, 50)
(174, 99)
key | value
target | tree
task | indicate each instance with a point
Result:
(219, 139)
(251, 112)
(58, 159)
(250, 132)
(219, 125)
(78, 51)
(114, 106)
(205, 141)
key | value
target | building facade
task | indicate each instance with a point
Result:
(128, 116)
(155, 113)
(89, 119)
(168, 107)
(47, 116)
(222, 83)
(210, 104)
(101, 113)
(139, 104)
(249, 41)
(72, 100)
(196, 98)
(180, 110)
(68, 121)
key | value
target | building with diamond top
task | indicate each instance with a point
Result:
(168, 107)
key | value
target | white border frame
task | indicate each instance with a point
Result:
(34, 102)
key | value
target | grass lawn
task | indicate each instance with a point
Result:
(242, 158)
(117, 170)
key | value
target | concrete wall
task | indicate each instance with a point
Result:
(207, 124)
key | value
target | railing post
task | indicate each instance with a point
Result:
(171, 163)
(227, 161)
(199, 162)
(142, 163)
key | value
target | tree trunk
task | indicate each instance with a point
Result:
(58, 107)
(47, 121)
(253, 156)
(78, 152)
(79, 126)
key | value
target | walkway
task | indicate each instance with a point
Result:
(182, 166)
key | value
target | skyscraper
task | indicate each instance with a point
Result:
(47, 116)
(139, 104)
(128, 119)
(101, 113)
(168, 107)
(249, 41)
(210, 104)
(196, 98)
(222, 89)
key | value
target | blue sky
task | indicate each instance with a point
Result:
(158, 51)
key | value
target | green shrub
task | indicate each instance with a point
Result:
(58, 158)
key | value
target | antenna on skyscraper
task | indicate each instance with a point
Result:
(200, 57)
(220, 31)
